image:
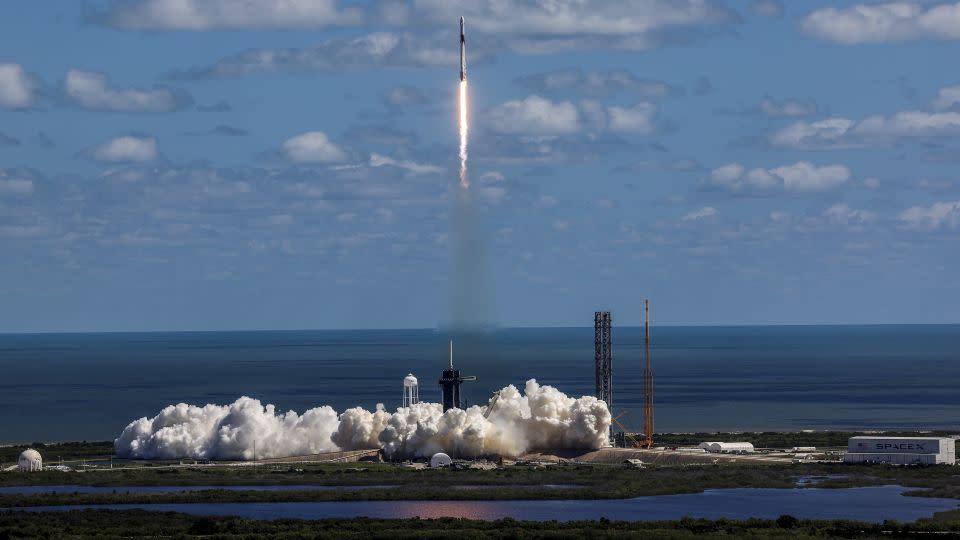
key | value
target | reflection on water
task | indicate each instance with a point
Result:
(871, 504)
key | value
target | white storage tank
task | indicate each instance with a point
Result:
(411, 391)
(901, 450)
(30, 461)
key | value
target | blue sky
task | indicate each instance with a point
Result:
(255, 164)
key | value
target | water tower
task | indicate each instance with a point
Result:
(411, 390)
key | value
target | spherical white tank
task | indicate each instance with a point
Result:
(30, 461)
(411, 390)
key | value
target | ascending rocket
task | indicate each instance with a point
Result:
(463, 53)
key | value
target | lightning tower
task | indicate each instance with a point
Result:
(647, 380)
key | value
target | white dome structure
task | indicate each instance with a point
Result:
(30, 461)
(440, 460)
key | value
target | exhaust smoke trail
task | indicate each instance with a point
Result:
(464, 181)
(471, 295)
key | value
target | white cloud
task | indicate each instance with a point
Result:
(561, 225)
(313, 147)
(834, 133)
(22, 231)
(813, 135)
(534, 116)
(800, 177)
(372, 51)
(404, 96)
(938, 215)
(492, 177)
(127, 148)
(766, 8)
(727, 173)
(16, 87)
(889, 22)
(18, 186)
(548, 201)
(412, 167)
(790, 107)
(701, 214)
(636, 119)
(804, 176)
(910, 124)
(843, 214)
(538, 26)
(214, 14)
(947, 98)
(92, 91)
(595, 83)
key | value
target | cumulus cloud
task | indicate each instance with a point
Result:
(533, 26)
(843, 214)
(947, 98)
(400, 97)
(17, 88)
(820, 134)
(636, 119)
(790, 107)
(889, 22)
(372, 51)
(15, 185)
(539, 418)
(800, 177)
(542, 26)
(594, 84)
(766, 8)
(313, 147)
(539, 116)
(91, 90)
(834, 133)
(127, 148)
(534, 116)
(701, 214)
(411, 167)
(938, 215)
(216, 14)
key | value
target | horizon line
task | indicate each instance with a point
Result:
(440, 329)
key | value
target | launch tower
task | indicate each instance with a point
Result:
(450, 380)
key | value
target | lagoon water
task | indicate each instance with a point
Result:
(57, 387)
(871, 504)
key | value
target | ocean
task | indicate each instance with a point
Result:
(66, 387)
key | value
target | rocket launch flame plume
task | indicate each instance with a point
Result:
(464, 181)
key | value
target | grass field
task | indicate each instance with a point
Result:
(137, 523)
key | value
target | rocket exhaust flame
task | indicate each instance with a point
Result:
(464, 181)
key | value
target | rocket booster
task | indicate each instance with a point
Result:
(463, 53)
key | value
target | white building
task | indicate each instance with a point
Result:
(717, 447)
(901, 450)
(411, 391)
(30, 461)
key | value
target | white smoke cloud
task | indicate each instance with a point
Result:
(541, 417)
